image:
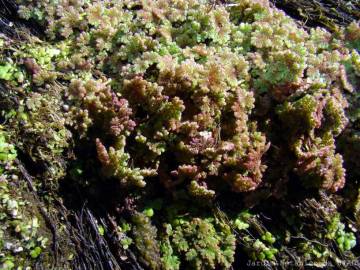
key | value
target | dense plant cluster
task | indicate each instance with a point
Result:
(19, 235)
(184, 108)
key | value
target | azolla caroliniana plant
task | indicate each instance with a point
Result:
(173, 89)
(184, 97)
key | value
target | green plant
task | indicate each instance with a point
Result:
(201, 105)
(19, 229)
(203, 243)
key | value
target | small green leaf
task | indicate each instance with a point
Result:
(101, 230)
(35, 252)
(6, 72)
(149, 212)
